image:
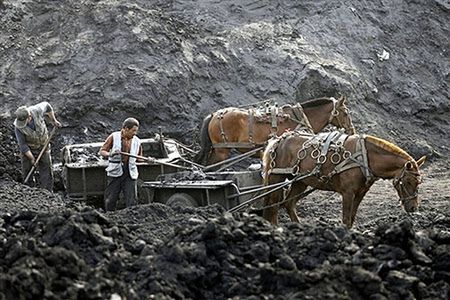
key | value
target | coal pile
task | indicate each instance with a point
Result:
(16, 197)
(208, 254)
(83, 155)
(56, 256)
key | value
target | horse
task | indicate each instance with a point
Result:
(347, 164)
(241, 129)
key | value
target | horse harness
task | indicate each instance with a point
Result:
(273, 114)
(322, 145)
(398, 181)
(335, 113)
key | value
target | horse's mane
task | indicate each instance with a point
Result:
(315, 102)
(388, 146)
(266, 158)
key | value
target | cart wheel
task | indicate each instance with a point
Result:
(181, 199)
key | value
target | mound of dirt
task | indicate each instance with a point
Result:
(211, 255)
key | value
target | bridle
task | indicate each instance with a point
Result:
(334, 115)
(398, 184)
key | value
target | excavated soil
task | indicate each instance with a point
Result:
(170, 63)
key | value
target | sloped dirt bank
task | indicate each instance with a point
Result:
(98, 62)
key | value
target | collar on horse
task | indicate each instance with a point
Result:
(300, 118)
(357, 159)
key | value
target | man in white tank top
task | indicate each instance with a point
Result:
(122, 171)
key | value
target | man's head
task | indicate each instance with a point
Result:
(23, 116)
(130, 127)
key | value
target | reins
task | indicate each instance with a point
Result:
(275, 187)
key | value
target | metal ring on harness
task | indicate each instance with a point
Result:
(346, 154)
(273, 154)
(315, 153)
(295, 170)
(322, 159)
(272, 164)
(335, 158)
(301, 154)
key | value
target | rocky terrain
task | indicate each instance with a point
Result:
(169, 64)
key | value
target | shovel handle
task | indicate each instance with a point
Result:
(155, 161)
(33, 168)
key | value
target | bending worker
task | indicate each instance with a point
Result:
(31, 134)
(122, 171)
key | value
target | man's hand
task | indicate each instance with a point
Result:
(150, 159)
(30, 157)
(114, 152)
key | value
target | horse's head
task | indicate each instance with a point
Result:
(407, 184)
(340, 116)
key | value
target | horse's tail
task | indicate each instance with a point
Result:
(205, 142)
(266, 159)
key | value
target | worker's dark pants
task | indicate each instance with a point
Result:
(124, 184)
(44, 168)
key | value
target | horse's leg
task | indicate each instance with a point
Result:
(356, 202)
(270, 212)
(347, 208)
(291, 205)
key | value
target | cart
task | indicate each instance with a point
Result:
(225, 188)
(83, 169)
(234, 190)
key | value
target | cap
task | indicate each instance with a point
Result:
(22, 114)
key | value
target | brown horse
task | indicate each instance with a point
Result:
(235, 128)
(336, 162)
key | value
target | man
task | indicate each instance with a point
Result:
(122, 171)
(31, 134)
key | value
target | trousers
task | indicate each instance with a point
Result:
(44, 168)
(116, 185)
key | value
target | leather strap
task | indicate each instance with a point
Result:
(222, 133)
(250, 125)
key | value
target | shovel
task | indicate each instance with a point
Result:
(152, 160)
(33, 168)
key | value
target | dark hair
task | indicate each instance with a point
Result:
(130, 123)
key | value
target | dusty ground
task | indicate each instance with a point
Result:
(170, 63)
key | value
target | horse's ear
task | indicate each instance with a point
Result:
(421, 161)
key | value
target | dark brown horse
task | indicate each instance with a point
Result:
(235, 128)
(336, 162)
